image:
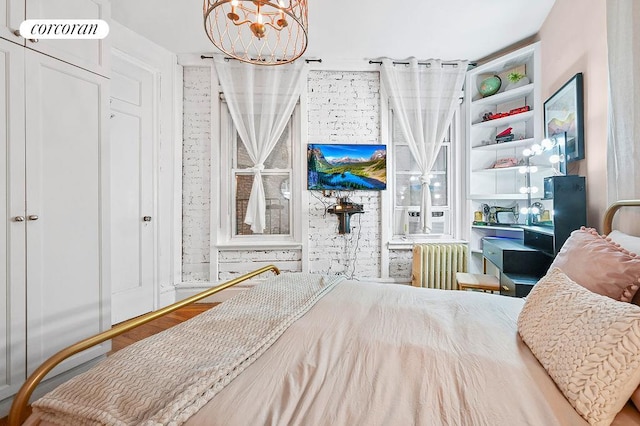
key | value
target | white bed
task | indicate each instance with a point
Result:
(388, 354)
(354, 353)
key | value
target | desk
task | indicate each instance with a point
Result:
(520, 266)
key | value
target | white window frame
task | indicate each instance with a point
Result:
(226, 238)
(455, 190)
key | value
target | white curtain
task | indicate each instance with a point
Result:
(623, 148)
(424, 98)
(261, 100)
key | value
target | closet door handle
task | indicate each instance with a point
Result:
(17, 34)
(18, 219)
(33, 217)
(147, 218)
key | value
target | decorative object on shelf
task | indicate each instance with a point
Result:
(538, 212)
(563, 113)
(506, 138)
(260, 32)
(490, 86)
(545, 217)
(491, 116)
(508, 70)
(505, 135)
(516, 79)
(491, 213)
(505, 162)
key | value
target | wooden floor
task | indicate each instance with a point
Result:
(158, 325)
(152, 328)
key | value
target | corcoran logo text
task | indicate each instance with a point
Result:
(64, 29)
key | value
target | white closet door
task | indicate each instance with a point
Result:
(12, 232)
(11, 16)
(67, 208)
(132, 237)
(88, 54)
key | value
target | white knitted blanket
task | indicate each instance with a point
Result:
(166, 378)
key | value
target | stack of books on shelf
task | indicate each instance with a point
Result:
(505, 136)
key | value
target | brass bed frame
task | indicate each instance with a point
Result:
(607, 225)
(21, 400)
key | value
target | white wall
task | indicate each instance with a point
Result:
(340, 107)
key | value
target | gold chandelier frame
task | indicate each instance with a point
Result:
(258, 31)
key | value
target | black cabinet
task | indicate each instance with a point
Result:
(568, 198)
(520, 266)
(522, 262)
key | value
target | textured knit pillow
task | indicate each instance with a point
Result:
(589, 344)
(599, 264)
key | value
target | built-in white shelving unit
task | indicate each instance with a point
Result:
(500, 187)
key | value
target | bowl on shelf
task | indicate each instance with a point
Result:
(490, 86)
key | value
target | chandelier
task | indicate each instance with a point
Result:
(258, 31)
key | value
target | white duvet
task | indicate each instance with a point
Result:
(385, 354)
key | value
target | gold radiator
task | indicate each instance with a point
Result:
(435, 265)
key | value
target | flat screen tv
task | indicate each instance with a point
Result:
(346, 167)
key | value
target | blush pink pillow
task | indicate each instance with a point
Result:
(599, 264)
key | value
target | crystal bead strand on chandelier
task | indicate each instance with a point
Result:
(258, 31)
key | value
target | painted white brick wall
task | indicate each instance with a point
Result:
(400, 264)
(233, 263)
(196, 173)
(344, 107)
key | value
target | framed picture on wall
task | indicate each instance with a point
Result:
(564, 113)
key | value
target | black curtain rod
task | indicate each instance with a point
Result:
(407, 63)
(470, 66)
(226, 58)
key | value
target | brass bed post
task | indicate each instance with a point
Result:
(611, 211)
(21, 400)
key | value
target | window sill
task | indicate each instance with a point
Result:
(259, 245)
(406, 243)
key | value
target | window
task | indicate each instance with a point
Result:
(278, 177)
(407, 186)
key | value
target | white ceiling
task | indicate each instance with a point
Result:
(361, 29)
